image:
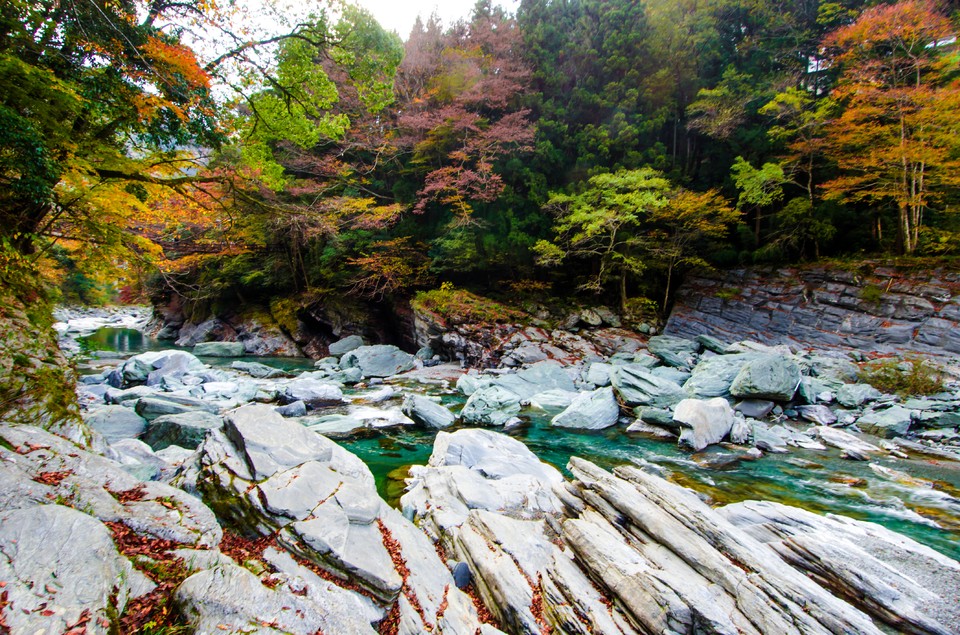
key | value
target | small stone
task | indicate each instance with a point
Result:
(855, 395)
(293, 409)
(755, 408)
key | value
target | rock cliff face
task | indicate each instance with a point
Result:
(873, 308)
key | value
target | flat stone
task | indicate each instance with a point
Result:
(270, 443)
(553, 399)
(219, 349)
(844, 440)
(381, 360)
(889, 422)
(755, 408)
(162, 404)
(427, 412)
(258, 370)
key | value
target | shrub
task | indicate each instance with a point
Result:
(457, 306)
(727, 293)
(913, 376)
(871, 293)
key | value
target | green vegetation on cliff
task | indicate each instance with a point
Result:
(36, 383)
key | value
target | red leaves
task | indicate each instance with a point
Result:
(52, 478)
(79, 627)
(461, 114)
(130, 495)
(4, 603)
(131, 544)
(31, 447)
(242, 549)
(153, 607)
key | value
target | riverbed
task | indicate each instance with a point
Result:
(919, 496)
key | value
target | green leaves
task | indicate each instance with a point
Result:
(759, 187)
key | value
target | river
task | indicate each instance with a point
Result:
(919, 497)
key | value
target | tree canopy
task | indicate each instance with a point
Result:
(618, 142)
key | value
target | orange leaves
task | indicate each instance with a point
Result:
(390, 266)
(176, 63)
(896, 139)
(910, 26)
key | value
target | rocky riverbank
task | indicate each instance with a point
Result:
(218, 494)
(870, 306)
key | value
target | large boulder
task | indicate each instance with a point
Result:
(855, 395)
(269, 443)
(427, 412)
(899, 581)
(60, 568)
(637, 386)
(479, 469)
(536, 378)
(115, 422)
(491, 406)
(693, 571)
(220, 349)
(703, 422)
(712, 376)
(345, 345)
(273, 477)
(594, 410)
(767, 377)
(139, 368)
(174, 366)
(187, 429)
(381, 360)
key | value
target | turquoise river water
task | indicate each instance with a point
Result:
(922, 499)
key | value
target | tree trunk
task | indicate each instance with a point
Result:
(623, 291)
(666, 293)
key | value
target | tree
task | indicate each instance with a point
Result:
(603, 223)
(632, 220)
(896, 139)
(677, 235)
(759, 188)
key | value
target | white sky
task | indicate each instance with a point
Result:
(399, 15)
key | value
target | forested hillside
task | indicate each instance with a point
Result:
(592, 146)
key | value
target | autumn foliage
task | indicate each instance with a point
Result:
(596, 146)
